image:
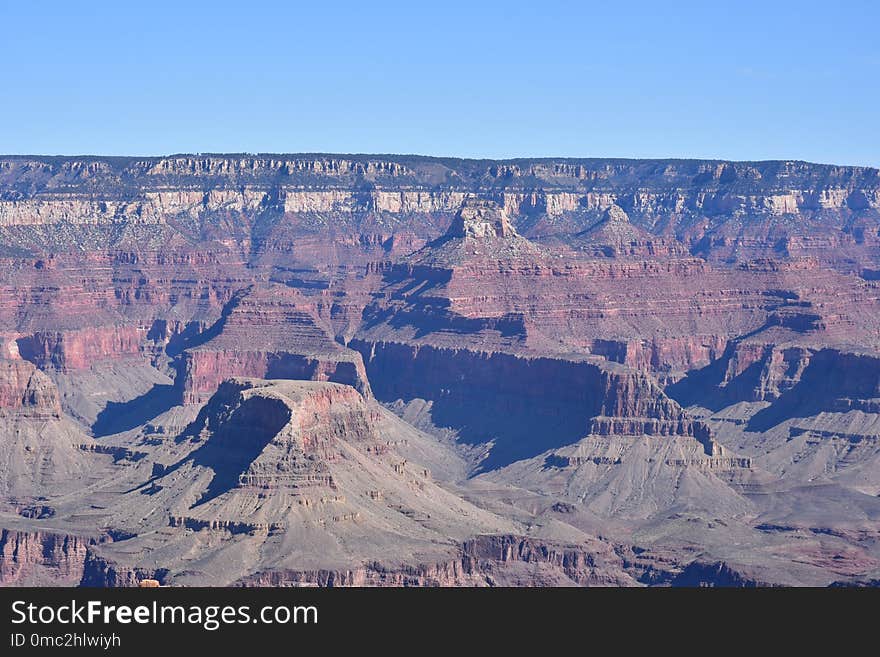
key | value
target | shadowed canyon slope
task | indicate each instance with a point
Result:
(395, 370)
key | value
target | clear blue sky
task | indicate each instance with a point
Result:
(739, 80)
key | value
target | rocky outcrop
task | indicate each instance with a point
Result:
(272, 333)
(78, 349)
(304, 472)
(204, 369)
(41, 558)
(480, 218)
(500, 560)
(614, 235)
(99, 572)
(281, 434)
(713, 574)
(809, 378)
(27, 391)
(570, 341)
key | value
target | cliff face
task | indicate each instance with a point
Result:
(785, 375)
(777, 186)
(502, 560)
(71, 311)
(283, 434)
(77, 349)
(41, 558)
(497, 560)
(709, 204)
(525, 405)
(269, 332)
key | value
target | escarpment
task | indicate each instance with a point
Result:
(557, 186)
(273, 333)
(393, 370)
(501, 560)
(720, 209)
(494, 397)
(41, 558)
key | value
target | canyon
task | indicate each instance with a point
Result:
(340, 370)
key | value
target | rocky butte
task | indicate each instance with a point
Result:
(338, 370)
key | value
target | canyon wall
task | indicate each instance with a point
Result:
(205, 193)
(41, 558)
(525, 404)
(684, 347)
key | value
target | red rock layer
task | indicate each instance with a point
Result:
(70, 311)
(667, 315)
(38, 558)
(78, 349)
(272, 333)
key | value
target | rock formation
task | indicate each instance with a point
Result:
(480, 218)
(306, 471)
(26, 391)
(389, 370)
(273, 333)
(41, 558)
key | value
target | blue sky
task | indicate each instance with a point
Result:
(738, 80)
